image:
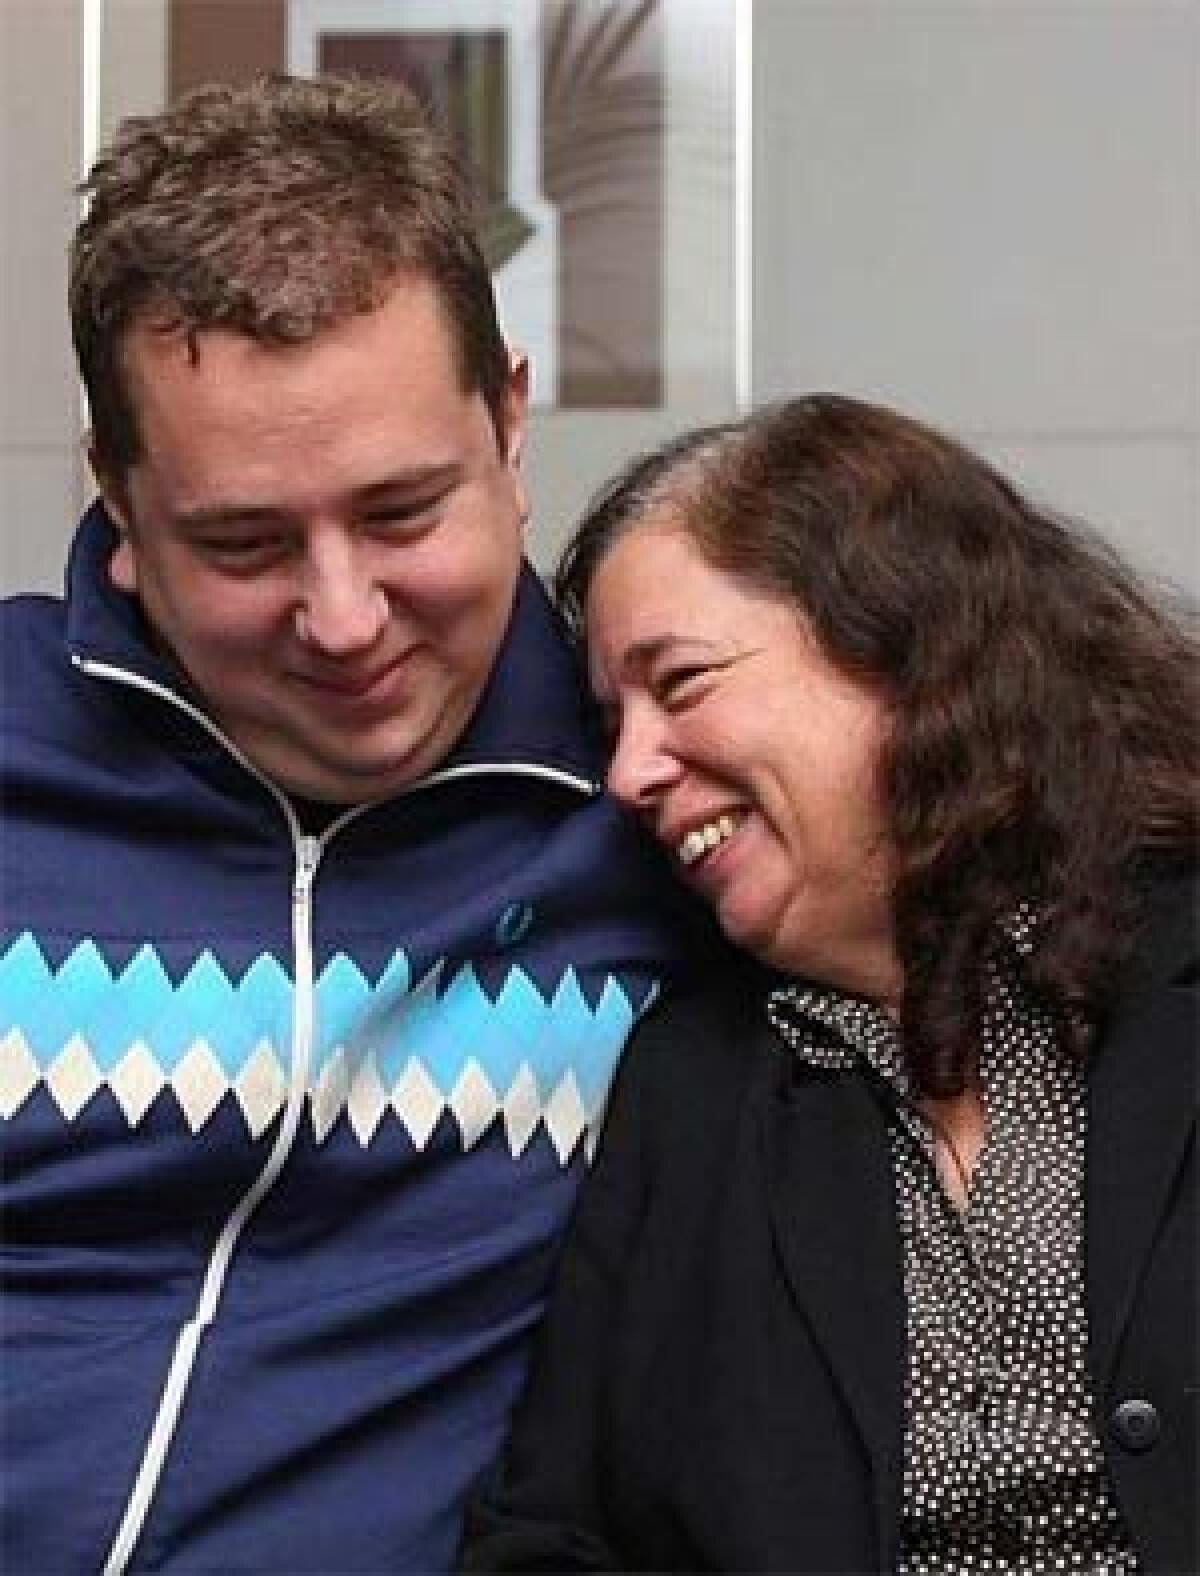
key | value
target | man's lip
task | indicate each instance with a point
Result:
(352, 686)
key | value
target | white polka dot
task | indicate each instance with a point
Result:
(1003, 1471)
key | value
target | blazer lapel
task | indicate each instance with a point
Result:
(1142, 1101)
(830, 1197)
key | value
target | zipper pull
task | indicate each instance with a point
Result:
(308, 854)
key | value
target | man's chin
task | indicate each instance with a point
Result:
(344, 780)
(351, 766)
(351, 786)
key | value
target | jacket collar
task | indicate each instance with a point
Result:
(533, 712)
(104, 624)
(535, 705)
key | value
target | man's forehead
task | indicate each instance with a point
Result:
(164, 335)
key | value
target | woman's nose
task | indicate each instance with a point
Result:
(642, 766)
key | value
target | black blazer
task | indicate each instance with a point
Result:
(721, 1374)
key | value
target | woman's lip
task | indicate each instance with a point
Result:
(736, 816)
(706, 873)
(674, 832)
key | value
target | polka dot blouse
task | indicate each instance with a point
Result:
(1003, 1470)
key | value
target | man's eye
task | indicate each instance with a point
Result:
(406, 514)
(242, 551)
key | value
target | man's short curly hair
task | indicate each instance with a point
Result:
(277, 209)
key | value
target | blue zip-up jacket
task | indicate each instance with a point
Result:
(291, 1123)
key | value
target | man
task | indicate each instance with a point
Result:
(319, 945)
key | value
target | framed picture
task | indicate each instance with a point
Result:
(477, 66)
(604, 139)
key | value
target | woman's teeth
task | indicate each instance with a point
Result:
(703, 839)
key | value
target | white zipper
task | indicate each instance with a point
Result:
(308, 854)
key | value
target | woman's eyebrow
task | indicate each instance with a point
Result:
(644, 652)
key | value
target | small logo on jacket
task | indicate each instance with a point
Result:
(514, 924)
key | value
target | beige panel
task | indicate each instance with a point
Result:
(41, 494)
(1142, 494)
(570, 455)
(133, 77)
(39, 401)
(986, 211)
(39, 165)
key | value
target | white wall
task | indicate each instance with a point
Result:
(985, 211)
(988, 213)
(40, 477)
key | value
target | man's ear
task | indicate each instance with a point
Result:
(114, 494)
(516, 407)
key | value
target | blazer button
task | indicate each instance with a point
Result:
(1136, 1425)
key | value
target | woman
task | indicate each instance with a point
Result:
(889, 1258)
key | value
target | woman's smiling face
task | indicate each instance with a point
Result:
(749, 755)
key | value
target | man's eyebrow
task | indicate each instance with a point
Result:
(204, 515)
(413, 478)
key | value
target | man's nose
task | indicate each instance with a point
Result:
(642, 765)
(343, 609)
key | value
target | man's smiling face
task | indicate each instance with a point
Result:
(326, 536)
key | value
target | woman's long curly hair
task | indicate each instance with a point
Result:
(1044, 705)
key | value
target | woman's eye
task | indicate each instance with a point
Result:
(394, 513)
(679, 684)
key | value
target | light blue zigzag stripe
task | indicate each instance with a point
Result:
(343, 1002)
(265, 994)
(610, 1026)
(111, 1026)
(24, 985)
(443, 1024)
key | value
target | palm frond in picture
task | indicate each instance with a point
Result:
(603, 115)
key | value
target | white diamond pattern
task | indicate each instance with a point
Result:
(366, 1102)
(199, 1084)
(418, 1102)
(522, 1109)
(474, 1103)
(329, 1096)
(565, 1116)
(19, 1073)
(260, 1089)
(136, 1081)
(73, 1077)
